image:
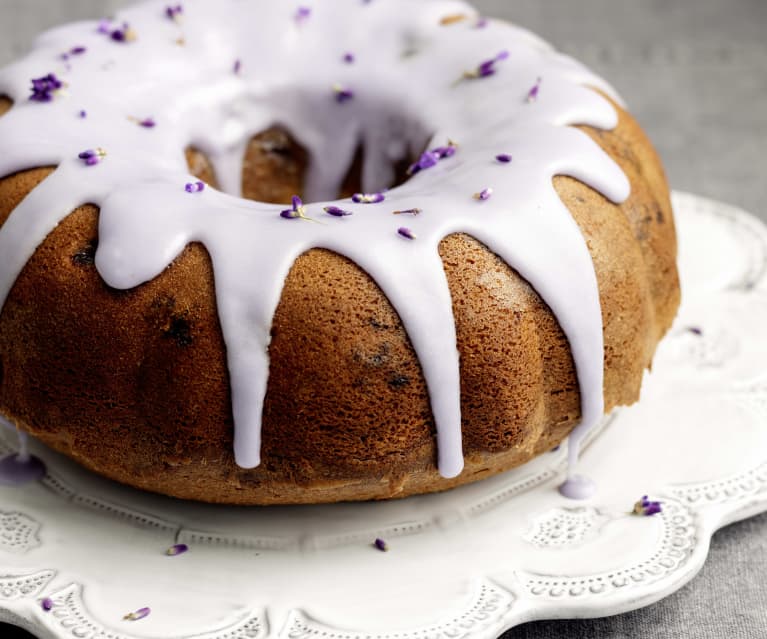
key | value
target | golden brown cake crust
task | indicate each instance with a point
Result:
(134, 385)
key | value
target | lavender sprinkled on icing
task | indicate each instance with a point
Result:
(302, 14)
(138, 614)
(195, 187)
(381, 545)
(46, 604)
(484, 194)
(486, 68)
(91, 157)
(430, 158)
(481, 23)
(237, 67)
(406, 233)
(74, 51)
(503, 158)
(146, 123)
(348, 58)
(413, 212)
(647, 508)
(343, 94)
(447, 151)
(368, 198)
(427, 160)
(82, 114)
(337, 212)
(532, 94)
(695, 330)
(174, 12)
(105, 26)
(121, 34)
(177, 549)
(44, 89)
(297, 211)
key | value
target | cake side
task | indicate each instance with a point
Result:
(139, 390)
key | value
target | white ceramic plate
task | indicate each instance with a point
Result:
(469, 563)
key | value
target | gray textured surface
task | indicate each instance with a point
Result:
(694, 72)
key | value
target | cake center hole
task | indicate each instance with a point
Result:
(276, 165)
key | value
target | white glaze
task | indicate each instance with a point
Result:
(404, 80)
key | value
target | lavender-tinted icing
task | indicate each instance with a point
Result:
(20, 468)
(18, 471)
(578, 487)
(406, 96)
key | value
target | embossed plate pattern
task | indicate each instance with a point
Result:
(469, 563)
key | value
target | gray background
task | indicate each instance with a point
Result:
(694, 72)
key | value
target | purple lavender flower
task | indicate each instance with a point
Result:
(337, 212)
(237, 66)
(430, 158)
(43, 89)
(481, 23)
(74, 51)
(484, 194)
(297, 211)
(174, 12)
(532, 94)
(368, 198)
(446, 151)
(381, 545)
(123, 34)
(647, 508)
(195, 187)
(46, 604)
(486, 68)
(406, 233)
(503, 158)
(349, 58)
(138, 614)
(343, 94)
(92, 157)
(147, 123)
(83, 114)
(105, 26)
(303, 14)
(427, 160)
(177, 549)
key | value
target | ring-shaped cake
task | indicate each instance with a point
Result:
(416, 336)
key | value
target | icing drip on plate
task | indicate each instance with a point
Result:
(18, 469)
(150, 86)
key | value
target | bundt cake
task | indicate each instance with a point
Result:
(484, 264)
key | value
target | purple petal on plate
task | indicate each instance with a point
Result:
(138, 614)
(177, 549)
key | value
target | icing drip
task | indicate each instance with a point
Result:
(577, 486)
(20, 468)
(405, 92)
